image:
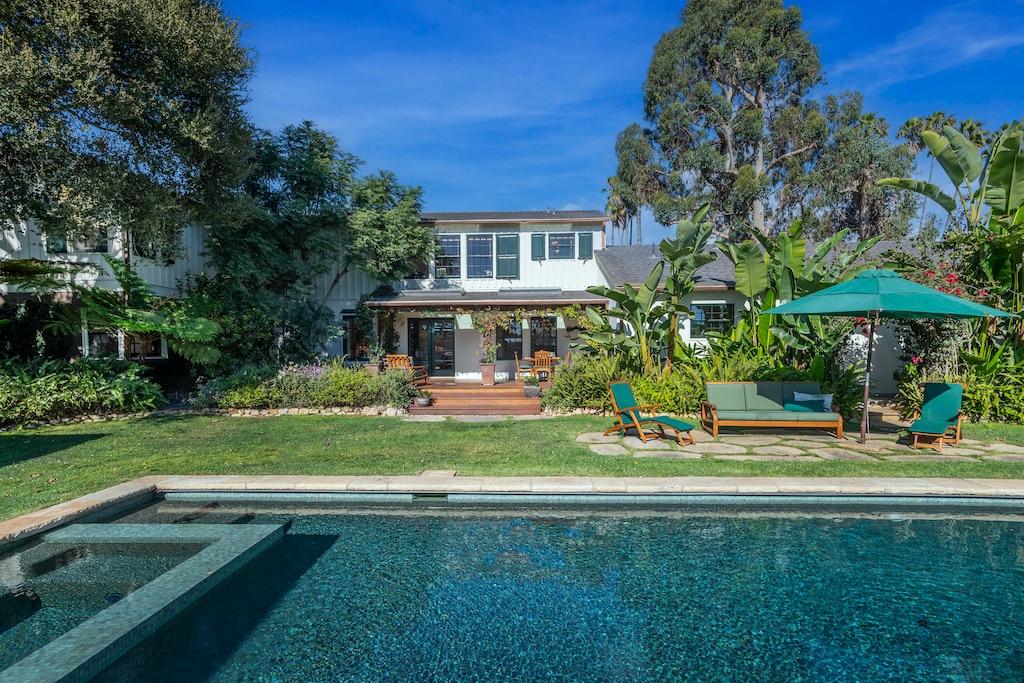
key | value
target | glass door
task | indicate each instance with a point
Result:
(432, 343)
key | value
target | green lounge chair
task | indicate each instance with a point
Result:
(630, 416)
(940, 415)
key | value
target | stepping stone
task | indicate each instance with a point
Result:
(802, 443)
(716, 448)
(777, 458)
(778, 450)
(840, 454)
(1001, 447)
(597, 437)
(1006, 457)
(818, 437)
(750, 440)
(958, 450)
(869, 447)
(700, 435)
(608, 449)
(931, 458)
(672, 455)
(653, 443)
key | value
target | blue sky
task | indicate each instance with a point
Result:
(499, 106)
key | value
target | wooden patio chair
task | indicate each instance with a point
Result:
(630, 416)
(542, 364)
(395, 361)
(523, 368)
(941, 415)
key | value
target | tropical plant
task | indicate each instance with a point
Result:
(44, 390)
(141, 316)
(685, 255)
(641, 315)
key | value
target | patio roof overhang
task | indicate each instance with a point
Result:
(511, 298)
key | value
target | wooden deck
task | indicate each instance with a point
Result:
(472, 398)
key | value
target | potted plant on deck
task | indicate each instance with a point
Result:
(424, 398)
(531, 386)
(487, 363)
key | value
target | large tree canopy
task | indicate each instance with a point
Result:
(119, 112)
(304, 216)
(724, 93)
(730, 123)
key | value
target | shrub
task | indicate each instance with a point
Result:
(54, 389)
(316, 385)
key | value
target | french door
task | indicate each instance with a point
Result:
(432, 343)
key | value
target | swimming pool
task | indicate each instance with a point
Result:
(432, 591)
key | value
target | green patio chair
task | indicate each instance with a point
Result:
(940, 415)
(631, 417)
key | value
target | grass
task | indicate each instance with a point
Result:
(46, 466)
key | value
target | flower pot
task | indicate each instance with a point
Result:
(531, 391)
(424, 401)
(487, 374)
(373, 368)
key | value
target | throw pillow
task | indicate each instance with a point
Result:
(805, 406)
(825, 398)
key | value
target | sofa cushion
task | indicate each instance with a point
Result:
(805, 406)
(759, 415)
(727, 396)
(817, 417)
(763, 395)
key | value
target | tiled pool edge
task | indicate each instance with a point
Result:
(82, 652)
(26, 526)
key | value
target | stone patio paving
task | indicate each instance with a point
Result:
(797, 445)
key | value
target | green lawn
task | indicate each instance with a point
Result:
(41, 467)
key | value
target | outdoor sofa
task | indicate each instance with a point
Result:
(766, 404)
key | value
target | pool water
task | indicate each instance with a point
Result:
(439, 593)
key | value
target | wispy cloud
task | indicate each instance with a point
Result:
(943, 41)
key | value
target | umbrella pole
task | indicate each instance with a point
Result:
(867, 381)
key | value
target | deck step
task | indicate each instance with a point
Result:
(476, 399)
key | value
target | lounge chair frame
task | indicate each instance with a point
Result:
(630, 417)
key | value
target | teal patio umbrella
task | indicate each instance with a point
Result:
(876, 294)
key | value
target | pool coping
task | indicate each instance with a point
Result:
(440, 483)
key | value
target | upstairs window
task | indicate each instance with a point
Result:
(561, 246)
(711, 318)
(479, 256)
(448, 260)
(508, 256)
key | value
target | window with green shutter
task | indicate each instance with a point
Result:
(586, 250)
(538, 247)
(508, 256)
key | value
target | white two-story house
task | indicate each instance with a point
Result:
(533, 262)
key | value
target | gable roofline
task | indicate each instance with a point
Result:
(483, 217)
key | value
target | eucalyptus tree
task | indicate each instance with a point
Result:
(725, 101)
(119, 112)
(856, 155)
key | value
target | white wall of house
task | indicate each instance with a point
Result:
(23, 241)
(558, 269)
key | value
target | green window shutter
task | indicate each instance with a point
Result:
(586, 245)
(538, 250)
(508, 256)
